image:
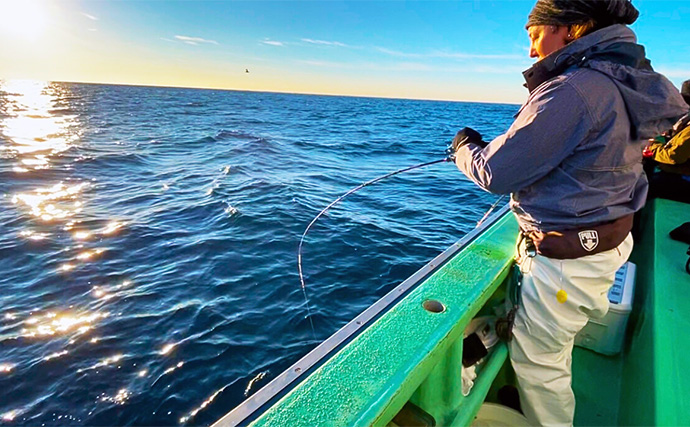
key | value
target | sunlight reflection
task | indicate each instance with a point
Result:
(112, 227)
(120, 398)
(253, 382)
(56, 202)
(10, 416)
(101, 294)
(167, 349)
(70, 225)
(108, 361)
(87, 255)
(51, 324)
(204, 404)
(6, 367)
(32, 128)
(32, 235)
(67, 267)
(172, 368)
(107, 292)
(82, 235)
(55, 355)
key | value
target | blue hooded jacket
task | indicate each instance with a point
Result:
(573, 156)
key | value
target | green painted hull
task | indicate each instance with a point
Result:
(407, 353)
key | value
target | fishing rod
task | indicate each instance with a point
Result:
(449, 158)
(336, 201)
(491, 209)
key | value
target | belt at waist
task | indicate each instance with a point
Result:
(576, 243)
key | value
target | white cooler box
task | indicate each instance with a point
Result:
(606, 335)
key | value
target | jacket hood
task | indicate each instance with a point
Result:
(653, 103)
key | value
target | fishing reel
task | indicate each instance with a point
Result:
(450, 154)
(463, 137)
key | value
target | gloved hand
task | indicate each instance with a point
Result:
(463, 137)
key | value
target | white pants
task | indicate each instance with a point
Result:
(558, 298)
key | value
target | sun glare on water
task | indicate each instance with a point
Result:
(23, 20)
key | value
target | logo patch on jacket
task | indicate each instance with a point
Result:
(589, 239)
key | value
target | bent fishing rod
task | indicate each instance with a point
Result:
(449, 158)
(336, 201)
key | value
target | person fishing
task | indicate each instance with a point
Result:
(572, 162)
(670, 151)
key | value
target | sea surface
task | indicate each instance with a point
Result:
(148, 243)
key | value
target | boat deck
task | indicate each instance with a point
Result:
(598, 401)
(644, 385)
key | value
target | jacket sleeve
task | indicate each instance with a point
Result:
(676, 151)
(553, 122)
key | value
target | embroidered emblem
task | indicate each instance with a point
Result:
(589, 239)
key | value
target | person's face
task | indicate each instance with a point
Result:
(546, 39)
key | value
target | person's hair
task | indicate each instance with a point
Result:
(579, 30)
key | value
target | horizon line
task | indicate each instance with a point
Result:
(255, 91)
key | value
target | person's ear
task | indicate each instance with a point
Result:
(569, 35)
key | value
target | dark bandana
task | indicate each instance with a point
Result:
(572, 12)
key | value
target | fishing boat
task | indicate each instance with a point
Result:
(400, 361)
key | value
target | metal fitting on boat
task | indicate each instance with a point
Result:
(433, 306)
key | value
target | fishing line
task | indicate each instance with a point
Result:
(336, 201)
(491, 209)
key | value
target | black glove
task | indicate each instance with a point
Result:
(463, 137)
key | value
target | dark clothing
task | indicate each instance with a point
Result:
(573, 155)
(671, 186)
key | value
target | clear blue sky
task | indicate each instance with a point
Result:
(458, 50)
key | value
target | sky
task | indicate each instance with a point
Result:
(446, 50)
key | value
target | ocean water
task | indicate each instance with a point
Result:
(149, 238)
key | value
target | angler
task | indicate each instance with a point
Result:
(572, 164)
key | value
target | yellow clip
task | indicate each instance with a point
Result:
(562, 296)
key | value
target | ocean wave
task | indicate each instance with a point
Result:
(237, 134)
(116, 159)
